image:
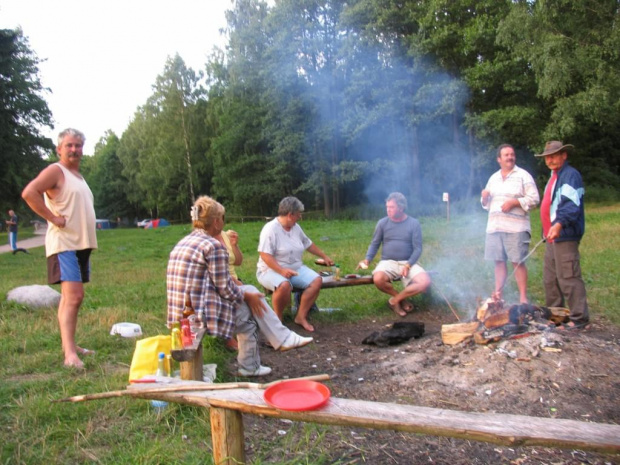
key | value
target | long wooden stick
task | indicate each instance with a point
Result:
(187, 387)
(446, 299)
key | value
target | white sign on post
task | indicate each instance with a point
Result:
(446, 198)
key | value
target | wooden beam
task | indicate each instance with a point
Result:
(330, 283)
(502, 429)
(192, 369)
(227, 436)
(190, 358)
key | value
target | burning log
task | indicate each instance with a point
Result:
(495, 321)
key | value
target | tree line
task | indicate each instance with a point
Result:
(340, 102)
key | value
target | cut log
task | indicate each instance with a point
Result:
(502, 429)
(496, 319)
(559, 314)
(484, 337)
(458, 332)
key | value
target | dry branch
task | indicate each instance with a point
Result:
(186, 387)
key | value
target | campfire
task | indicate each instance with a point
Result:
(495, 321)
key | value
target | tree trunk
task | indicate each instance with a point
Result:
(188, 159)
(324, 183)
(472, 169)
(415, 164)
(335, 183)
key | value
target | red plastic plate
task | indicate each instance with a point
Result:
(297, 395)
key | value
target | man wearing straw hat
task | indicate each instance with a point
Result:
(563, 222)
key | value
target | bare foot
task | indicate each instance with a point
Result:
(406, 306)
(396, 309)
(74, 362)
(304, 323)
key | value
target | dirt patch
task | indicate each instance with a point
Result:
(572, 375)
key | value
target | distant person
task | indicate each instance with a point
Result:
(280, 268)
(60, 195)
(509, 196)
(563, 224)
(400, 236)
(12, 224)
(199, 268)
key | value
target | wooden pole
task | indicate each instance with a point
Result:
(186, 387)
(191, 370)
(227, 436)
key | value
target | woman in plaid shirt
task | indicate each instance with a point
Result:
(198, 268)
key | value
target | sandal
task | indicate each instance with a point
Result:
(572, 326)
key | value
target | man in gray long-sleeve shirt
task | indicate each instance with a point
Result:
(401, 237)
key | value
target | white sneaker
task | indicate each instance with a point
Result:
(260, 371)
(293, 341)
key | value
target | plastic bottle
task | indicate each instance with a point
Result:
(159, 405)
(186, 334)
(188, 310)
(161, 366)
(170, 366)
(336, 270)
(175, 338)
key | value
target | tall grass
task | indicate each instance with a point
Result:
(128, 284)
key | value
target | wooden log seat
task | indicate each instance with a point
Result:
(190, 358)
(227, 407)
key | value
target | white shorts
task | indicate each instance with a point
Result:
(394, 270)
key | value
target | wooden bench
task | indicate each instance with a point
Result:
(227, 406)
(329, 282)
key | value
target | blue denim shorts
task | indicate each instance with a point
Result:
(271, 280)
(72, 265)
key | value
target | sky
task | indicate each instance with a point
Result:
(102, 57)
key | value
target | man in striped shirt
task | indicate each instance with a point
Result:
(508, 196)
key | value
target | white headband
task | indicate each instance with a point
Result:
(194, 213)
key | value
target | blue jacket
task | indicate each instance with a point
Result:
(567, 204)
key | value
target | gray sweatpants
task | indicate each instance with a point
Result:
(248, 327)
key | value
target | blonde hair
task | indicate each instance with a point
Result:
(205, 211)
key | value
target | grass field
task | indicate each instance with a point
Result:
(128, 284)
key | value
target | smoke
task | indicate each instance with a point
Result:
(454, 255)
(379, 120)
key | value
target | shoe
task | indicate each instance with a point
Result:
(260, 371)
(293, 341)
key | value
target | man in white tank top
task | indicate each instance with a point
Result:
(60, 195)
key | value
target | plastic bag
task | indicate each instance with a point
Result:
(144, 360)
